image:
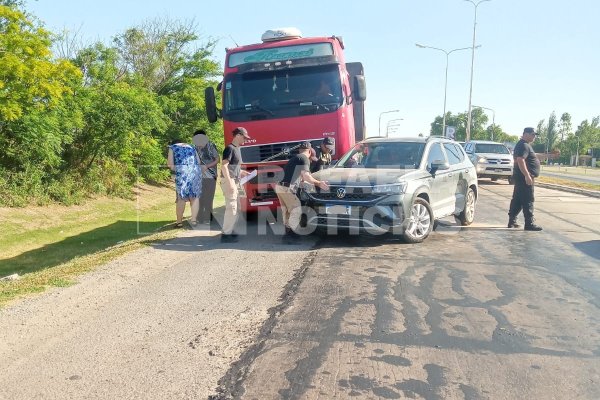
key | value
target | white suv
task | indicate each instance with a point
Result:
(491, 159)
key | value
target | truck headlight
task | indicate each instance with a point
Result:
(481, 159)
(396, 188)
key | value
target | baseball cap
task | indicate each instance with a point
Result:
(305, 145)
(240, 130)
(329, 143)
(530, 130)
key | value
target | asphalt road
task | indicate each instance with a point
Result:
(477, 313)
(473, 313)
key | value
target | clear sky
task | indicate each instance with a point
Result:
(536, 56)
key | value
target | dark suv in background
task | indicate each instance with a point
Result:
(394, 185)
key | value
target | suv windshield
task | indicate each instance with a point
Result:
(491, 148)
(399, 155)
(282, 93)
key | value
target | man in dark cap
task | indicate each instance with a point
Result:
(295, 171)
(526, 169)
(323, 159)
(231, 172)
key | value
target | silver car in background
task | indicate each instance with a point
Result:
(491, 159)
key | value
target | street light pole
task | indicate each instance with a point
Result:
(472, 65)
(493, 118)
(380, 114)
(447, 53)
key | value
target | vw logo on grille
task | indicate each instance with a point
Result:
(286, 151)
(341, 193)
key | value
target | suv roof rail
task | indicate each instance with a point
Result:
(436, 137)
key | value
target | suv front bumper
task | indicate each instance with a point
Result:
(383, 215)
(486, 170)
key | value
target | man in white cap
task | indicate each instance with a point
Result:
(231, 172)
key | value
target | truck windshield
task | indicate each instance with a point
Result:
(282, 93)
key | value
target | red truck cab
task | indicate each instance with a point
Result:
(284, 91)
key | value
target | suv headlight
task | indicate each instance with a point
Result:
(481, 159)
(396, 188)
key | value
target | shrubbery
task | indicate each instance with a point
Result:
(97, 121)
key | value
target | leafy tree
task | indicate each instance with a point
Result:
(548, 134)
(459, 121)
(588, 134)
(120, 121)
(165, 57)
(29, 76)
(32, 87)
(162, 53)
(102, 118)
(565, 127)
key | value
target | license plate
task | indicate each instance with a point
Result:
(261, 203)
(500, 170)
(338, 210)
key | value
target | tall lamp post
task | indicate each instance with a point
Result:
(493, 118)
(380, 114)
(472, 64)
(447, 53)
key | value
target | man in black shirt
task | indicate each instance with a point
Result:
(323, 159)
(296, 170)
(527, 167)
(231, 172)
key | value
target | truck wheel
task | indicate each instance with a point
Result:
(511, 181)
(420, 222)
(467, 215)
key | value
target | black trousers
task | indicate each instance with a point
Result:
(522, 199)
(206, 199)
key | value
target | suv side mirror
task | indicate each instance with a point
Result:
(359, 92)
(439, 165)
(211, 104)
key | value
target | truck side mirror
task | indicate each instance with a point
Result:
(359, 90)
(211, 104)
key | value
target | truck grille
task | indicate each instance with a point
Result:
(273, 151)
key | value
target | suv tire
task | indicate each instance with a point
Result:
(467, 215)
(420, 222)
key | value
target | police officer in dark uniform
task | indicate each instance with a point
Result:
(295, 171)
(323, 159)
(526, 169)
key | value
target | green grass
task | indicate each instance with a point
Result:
(50, 246)
(585, 171)
(567, 182)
